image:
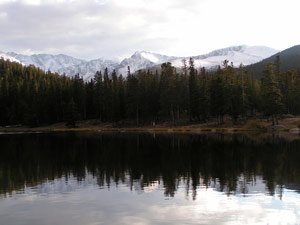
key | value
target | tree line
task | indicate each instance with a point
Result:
(30, 96)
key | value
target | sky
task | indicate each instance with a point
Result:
(114, 29)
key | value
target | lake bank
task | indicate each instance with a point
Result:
(287, 125)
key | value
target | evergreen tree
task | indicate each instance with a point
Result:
(168, 92)
(204, 95)
(252, 94)
(98, 100)
(107, 97)
(271, 94)
(71, 114)
(194, 95)
(132, 97)
(122, 103)
(220, 93)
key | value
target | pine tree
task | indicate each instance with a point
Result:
(168, 91)
(271, 94)
(107, 97)
(71, 114)
(204, 95)
(194, 95)
(132, 97)
(295, 92)
(220, 94)
(98, 100)
(122, 103)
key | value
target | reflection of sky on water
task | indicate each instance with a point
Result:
(68, 201)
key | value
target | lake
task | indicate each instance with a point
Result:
(91, 179)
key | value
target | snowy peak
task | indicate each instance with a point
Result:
(148, 56)
(257, 51)
(8, 57)
(143, 60)
(48, 62)
(242, 54)
(152, 57)
(64, 64)
(225, 51)
(236, 54)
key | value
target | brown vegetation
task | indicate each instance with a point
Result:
(288, 125)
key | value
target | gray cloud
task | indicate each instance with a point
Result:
(86, 30)
(110, 28)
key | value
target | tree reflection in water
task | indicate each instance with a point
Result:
(230, 164)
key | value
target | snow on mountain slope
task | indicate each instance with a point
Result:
(8, 57)
(70, 66)
(88, 69)
(142, 60)
(260, 51)
(64, 64)
(55, 63)
(237, 54)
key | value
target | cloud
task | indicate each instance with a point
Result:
(111, 28)
(86, 29)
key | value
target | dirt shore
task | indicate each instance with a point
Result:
(287, 125)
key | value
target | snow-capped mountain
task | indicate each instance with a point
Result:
(87, 69)
(8, 57)
(47, 61)
(64, 64)
(141, 60)
(237, 54)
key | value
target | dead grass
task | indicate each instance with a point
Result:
(252, 125)
(256, 125)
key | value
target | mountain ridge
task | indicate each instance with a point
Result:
(289, 60)
(65, 64)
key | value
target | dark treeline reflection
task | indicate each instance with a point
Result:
(194, 160)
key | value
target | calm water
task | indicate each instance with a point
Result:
(91, 179)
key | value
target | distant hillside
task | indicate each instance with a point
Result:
(289, 59)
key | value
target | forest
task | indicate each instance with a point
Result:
(30, 96)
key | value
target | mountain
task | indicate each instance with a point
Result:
(8, 57)
(142, 60)
(289, 59)
(64, 64)
(47, 61)
(237, 54)
(87, 69)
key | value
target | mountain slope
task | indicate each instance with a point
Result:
(142, 60)
(64, 64)
(237, 54)
(47, 61)
(8, 57)
(289, 59)
(88, 69)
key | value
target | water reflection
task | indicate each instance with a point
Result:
(229, 164)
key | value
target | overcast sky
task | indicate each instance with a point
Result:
(116, 28)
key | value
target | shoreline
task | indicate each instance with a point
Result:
(287, 126)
